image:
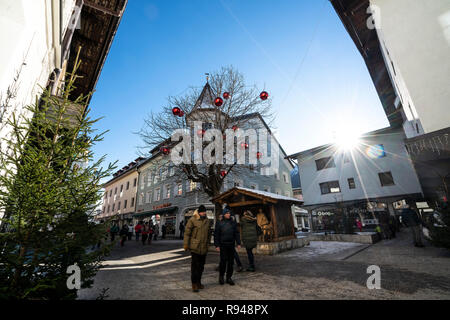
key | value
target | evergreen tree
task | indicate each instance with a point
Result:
(49, 189)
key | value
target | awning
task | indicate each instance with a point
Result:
(154, 212)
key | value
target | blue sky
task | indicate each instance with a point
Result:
(298, 50)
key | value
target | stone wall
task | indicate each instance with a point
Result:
(357, 238)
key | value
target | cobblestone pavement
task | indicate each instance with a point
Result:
(323, 270)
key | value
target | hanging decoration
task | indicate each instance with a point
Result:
(258, 155)
(165, 150)
(223, 173)
(226, 95)
(176, 111)
(218, 101)
(244, 145)
(234, 127)
(264, 95)
(181, 113)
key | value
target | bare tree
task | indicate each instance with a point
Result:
(241, 104)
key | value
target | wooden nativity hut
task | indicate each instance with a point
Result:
(276, 208)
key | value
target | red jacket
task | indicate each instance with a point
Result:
(138, 228)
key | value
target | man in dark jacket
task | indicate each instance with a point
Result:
(196, 239)
(413, 221)
(226, 235)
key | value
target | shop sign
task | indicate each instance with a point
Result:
(323, 213)
(164, 205)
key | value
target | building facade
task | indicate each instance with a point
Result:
(405, 45)
(367, 179)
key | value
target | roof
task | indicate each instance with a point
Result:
(263, 195)
(354, 16)
(100, 20)
(330, 145)
(205, 94)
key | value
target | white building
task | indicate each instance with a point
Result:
(377, 171)
(406, 47)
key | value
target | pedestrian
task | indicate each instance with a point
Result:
(113, 231)
(413, 221)
(226, 235)
(249, 236)
(150, 233)
(138, 230)
(123, 234)
(181, 228)
(359, 225)
(156, 231)
(392, 226)
(145, 230)
(164, 230)
(235, 254)
(130, 231)
(378, 231)
(196, 239)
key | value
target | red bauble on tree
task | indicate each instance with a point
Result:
(234, 127)
(244, 145)
(264, 95)
(258, 155)
(201, 132)
(226, 95)
(218, 101)
(165, 150)
(181, 113)
(176, 111)
(223, 173)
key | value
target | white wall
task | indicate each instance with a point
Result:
(363, 168)
(416, 34)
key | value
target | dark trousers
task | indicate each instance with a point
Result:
(197, 266)
(130, 234)
(122, 240)
(113, 236)
(137, 236)
(251, 257)
(144, 238)
(226, 261)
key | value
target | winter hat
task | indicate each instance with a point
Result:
(201, 208)
(227, 210)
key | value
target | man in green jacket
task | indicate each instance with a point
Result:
(249, 236)
(197, 236)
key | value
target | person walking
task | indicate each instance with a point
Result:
(181, 228)
(123, 234)
(249, 237)
(138, 230)
(164, 230)
(156, 231)
(150, 232)
(196, 239)
(145, 231)
(113, 231)
(413, 221)
(130, 231)
(226, 235)
(359, 225)
(235, 254)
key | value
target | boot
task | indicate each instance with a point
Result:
(251, 269)
(195, 287)
(200, 286)
(230, 282)
(221, 281)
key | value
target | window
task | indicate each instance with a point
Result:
(192, 185)
(167, 192)
(132, 201)
(149, 179)
(115, 190)
(171, 171)
(351, 183)
(158, 194)
(135, 181)
(330, 187)
(386, 179)
(108, 208)
(254, 186)
(113, 207)
(266, 188)
(128, 185)
(325, 163)
(141, 198)
(179, 189)
(285, 177)
(110, 192)
(118, 206)
(238, 183)
(143, 181)
(157, 177)
(276, 176)
(164, 175)
(121, 187)
(125, 204)
(104, 208)
(149, 197)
